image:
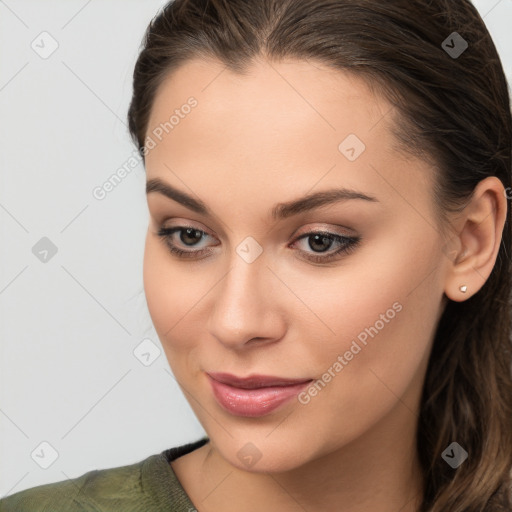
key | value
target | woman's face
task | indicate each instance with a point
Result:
(258, 299)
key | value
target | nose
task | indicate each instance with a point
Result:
(245, 306)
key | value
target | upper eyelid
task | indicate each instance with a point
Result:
(184, 223)
(191, 225)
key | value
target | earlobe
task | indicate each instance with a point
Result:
(482, 223)
(460, 294)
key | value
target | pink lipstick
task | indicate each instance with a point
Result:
(253, 396)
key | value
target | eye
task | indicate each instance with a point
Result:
(322, 241)
(319, 241)
(189, 236)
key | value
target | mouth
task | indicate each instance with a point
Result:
(253, 396)
(255, 381)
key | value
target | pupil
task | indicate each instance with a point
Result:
(323, 240)
(188, 233)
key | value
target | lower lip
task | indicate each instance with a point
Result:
(253, 402)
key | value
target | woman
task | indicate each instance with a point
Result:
(336, 307)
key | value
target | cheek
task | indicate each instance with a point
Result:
(382, 367)
(384, 317)
(163, 286)
(174, 295)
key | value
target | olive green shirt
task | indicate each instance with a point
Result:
(146, 486)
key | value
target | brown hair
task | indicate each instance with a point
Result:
(454, 111)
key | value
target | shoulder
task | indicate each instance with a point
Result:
(96, 490)
(149, 485)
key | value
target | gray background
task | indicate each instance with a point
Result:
(72, 373)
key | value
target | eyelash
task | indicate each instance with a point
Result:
(348, 244)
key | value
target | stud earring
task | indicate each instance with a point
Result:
(463, 288)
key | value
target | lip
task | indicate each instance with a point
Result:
(254, 381)
(253, 396)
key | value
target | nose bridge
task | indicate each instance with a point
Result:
(241, 305)
(242, 284)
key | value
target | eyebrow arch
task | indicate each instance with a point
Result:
(279, 211)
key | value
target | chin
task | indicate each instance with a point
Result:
(255, 456)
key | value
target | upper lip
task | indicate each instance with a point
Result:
(254, 381)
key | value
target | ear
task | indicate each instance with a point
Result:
(480, 227)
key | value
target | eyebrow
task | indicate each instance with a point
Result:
(279, 211)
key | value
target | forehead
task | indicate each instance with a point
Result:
(271, 95)
(288, 122)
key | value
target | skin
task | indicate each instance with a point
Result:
(272, 136)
